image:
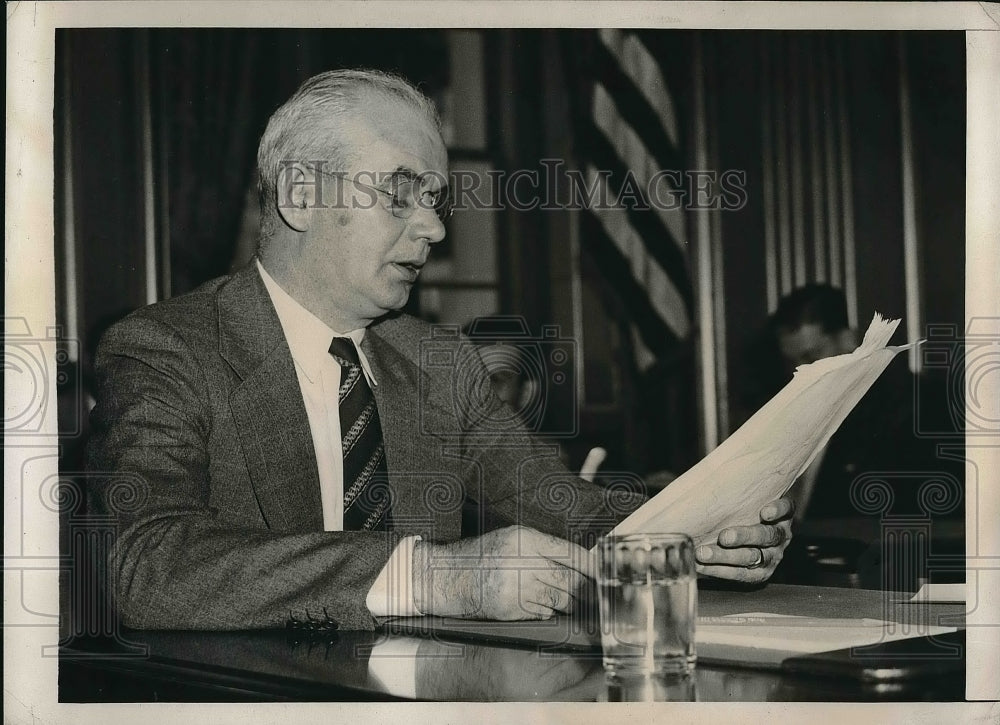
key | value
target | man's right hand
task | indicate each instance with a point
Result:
(507, 574)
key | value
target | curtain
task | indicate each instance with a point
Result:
(212, 112)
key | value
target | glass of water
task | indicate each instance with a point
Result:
(648, 598)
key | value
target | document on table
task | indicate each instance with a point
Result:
(941, 594)
(761, 460)
(804, 635)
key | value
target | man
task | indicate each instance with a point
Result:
(810, 324)
(229, 420)
(878, 436)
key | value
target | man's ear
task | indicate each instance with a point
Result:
(296, 189)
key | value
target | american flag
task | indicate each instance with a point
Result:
(632, 139)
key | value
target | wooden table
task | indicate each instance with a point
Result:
(451, 664)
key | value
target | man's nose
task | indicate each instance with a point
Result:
(425, 224)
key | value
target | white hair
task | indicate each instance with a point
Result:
(305, 127)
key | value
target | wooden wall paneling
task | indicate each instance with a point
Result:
(797, 190)
(817, 172)
(912, 276)
(768, 194)
(705, 312)
(144, 112)
(783, 164)
(938, 98)
(876, 163)
(749, 264)
(715, 71)
(515, 110)
(831, 160)
(847, 226)
(67, 248)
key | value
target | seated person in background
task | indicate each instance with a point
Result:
(283, 442)
(811, 324)
(879, 435)
(878, 447)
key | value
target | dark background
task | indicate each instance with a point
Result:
(162, 124)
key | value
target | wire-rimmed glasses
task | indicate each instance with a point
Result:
(406, 192)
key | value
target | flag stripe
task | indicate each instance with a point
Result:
(662, 293)
(644, 72)
(633, 138)
(630, 149)
(654, 332)
(669, 254)
(636, 110)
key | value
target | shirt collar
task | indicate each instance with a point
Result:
(308, 336)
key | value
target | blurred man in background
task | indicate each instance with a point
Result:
(878, 446)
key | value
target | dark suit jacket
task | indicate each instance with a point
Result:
(880, 445)
(201, 451)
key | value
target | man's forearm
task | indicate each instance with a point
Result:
(178, 573)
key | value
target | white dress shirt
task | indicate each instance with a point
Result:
(318, 374)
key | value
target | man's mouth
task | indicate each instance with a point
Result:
(409, 269)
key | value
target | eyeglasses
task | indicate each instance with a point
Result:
(406, 194)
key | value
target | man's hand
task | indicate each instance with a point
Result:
(749, 553)
(507, 574)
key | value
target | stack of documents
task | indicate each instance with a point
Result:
(804, 635)
(761, 460)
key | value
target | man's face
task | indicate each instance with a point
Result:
(810, 343)
(361, 260)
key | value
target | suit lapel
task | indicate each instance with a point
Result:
(267, 406)
(398, 405)
(413, 450)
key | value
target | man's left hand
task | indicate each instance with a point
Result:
(749, 553)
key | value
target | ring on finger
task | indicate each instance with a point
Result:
(758, 562)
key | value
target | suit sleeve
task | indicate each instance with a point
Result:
(177, 562)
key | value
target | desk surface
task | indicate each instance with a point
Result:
(271, 665)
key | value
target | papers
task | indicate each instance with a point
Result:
(804, 635)
(940, 594)
(760, 461)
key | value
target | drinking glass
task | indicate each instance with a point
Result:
(647, 585)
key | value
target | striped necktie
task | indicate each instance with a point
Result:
(366, 477)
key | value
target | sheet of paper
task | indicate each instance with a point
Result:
(805, 635)
(761, 460)
(940, 594)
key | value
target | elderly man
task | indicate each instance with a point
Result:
(275, 442)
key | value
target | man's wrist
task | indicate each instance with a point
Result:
(437, 584)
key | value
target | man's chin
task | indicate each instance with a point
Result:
(394, 303)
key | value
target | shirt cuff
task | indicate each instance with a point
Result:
(392, 593)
